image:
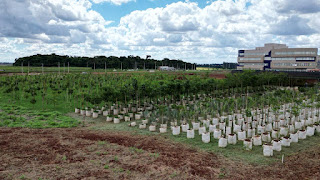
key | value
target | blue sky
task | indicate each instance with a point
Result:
(190, 30)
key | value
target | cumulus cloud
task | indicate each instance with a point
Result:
(56, 18)
(299, 6)
(116, 2)
(292, 26)
(180, 30)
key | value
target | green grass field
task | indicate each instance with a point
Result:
(19, 69)
(19, 116)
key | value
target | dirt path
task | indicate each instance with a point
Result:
(85, 154)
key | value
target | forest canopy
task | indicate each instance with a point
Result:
(130, 62)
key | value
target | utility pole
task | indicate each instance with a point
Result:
(22, 67)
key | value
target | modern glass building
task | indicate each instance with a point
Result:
(278, 57)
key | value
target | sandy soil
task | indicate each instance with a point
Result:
(78, 153)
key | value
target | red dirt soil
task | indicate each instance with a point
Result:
(78, 153)
(218, 76)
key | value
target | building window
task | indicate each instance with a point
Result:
(253, 64)
(255, 54)
(295, 64)
(295, 53)
(305, 58)
(283, 59)
(250, 59)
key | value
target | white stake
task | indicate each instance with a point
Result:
(282, 158)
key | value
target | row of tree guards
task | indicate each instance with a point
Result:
(275, 119)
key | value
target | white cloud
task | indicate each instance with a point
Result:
(29, 18)
(116, 2)
(181, 30)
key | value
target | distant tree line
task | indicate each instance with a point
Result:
(210, 65)
(130, 62)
